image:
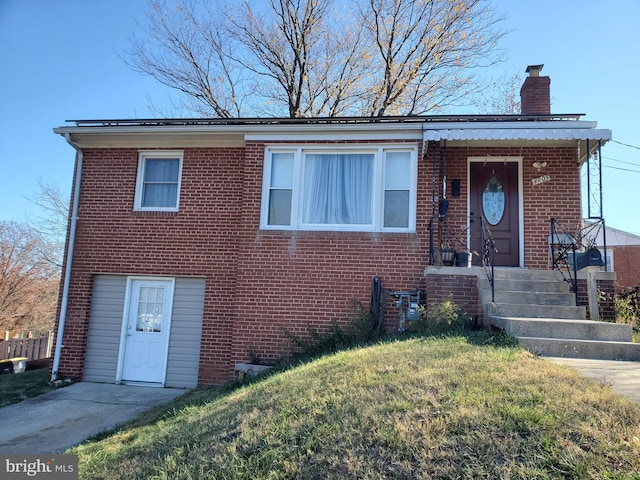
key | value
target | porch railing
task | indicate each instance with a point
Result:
(566, 247)
(488, 255)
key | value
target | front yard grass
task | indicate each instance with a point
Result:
(467, 406)
(16, 387)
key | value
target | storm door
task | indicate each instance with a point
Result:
(494, 195)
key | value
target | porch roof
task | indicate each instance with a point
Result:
(467, 134)
(583, 133)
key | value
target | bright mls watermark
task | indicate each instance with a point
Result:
(45, 466)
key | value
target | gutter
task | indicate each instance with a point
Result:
(120, 127)
(69, 261)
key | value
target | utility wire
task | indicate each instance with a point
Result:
(622, 161)
(625, 144)
(623, 169)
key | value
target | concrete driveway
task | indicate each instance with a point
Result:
(57, 420)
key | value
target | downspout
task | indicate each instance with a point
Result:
(70, 247)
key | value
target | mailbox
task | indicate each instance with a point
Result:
(590, 258)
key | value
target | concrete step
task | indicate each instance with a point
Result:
(537, 308)
(535, 297)
(567, 329)
(571, 348)
(525, 285)
(506, 273)
(495, 309)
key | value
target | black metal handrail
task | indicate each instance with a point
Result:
(562, 248)
(565, 247)
(488, 255)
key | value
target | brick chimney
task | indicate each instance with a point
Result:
(535, 98)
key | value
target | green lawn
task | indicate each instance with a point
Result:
(19, 386)
(450, 407)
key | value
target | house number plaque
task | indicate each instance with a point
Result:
(539, 180)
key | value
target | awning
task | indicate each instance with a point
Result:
(469, 134)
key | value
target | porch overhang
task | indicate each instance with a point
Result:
(583, 134)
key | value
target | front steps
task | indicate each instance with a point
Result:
(537, 308)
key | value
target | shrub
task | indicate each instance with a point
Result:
(627, 304)
(364, 326)
(440, 318)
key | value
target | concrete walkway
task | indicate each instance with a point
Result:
(57, 420)
(623, 377)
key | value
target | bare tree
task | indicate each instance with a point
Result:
(188, 50)
(51, 224)
(28, 282)
(299, 58)
(280, 48)
(502, 96)
(319, 57)
(425, 52)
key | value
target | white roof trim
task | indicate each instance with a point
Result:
(520, 130)
(247, 130)
(301, 136)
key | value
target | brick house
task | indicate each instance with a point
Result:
(194, 242)
(622, 255)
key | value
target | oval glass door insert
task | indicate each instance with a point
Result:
(493, 200)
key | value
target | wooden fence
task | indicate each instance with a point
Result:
(32, 348)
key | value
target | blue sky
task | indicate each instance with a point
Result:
(60, 59)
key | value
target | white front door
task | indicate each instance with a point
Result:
(147, 319)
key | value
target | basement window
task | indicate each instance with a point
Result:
(371, 188)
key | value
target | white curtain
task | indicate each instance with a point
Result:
(338, 189)
(161, 182)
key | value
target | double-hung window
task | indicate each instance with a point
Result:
(370, 188)
(158, 185)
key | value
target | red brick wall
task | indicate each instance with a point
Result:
(626, 263)
(463, 291)
(198, 241)
(558, 197)
(257, 282)
(294, 280)
(260, 282)
(606, 300)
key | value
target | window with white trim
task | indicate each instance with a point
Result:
(361, 188)
(158, 184)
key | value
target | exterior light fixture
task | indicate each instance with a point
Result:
(539, 165)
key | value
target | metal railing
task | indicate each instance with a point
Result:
(565, 248)
(488, 245)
